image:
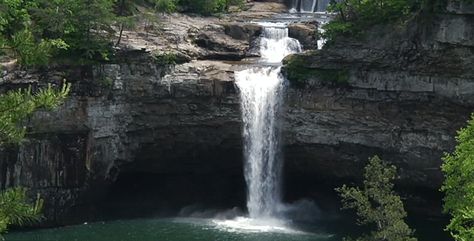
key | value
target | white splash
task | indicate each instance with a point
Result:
(248, 225)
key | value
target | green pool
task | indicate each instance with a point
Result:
(175, 229)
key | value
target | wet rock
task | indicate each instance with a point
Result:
(306, 33)
(243, 31)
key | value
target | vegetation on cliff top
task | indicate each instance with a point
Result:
(35, 31)
(298, 74)
(377, 204)
(355, 16)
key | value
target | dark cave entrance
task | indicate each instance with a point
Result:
(158, 185)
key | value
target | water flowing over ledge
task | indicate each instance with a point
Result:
(309, 6)
(261, 90)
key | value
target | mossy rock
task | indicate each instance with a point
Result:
(297, 72)
(170, 58)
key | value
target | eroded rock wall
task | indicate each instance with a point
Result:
(401, 93)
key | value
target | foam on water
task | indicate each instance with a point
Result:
(249, 225)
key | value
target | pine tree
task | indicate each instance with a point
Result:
(16, 210)
(15, 107)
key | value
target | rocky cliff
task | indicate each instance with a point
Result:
(400, 92)
(161, 119)
(160, 125)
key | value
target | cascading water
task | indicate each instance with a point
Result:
(261, 90)
(309, 6)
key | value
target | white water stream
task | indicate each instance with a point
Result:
(309, 6)
(261, 90)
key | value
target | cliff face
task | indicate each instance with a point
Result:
(162, 120)
(144, 128)
(400, 93)
(143, 121)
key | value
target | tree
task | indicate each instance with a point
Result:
(458, 186)
(208, 7)
(82, 28)
(15, 107)
(377, 204)
(165, 6)
(17, 38)
(355, 16)
(125, 16)
(84, 25)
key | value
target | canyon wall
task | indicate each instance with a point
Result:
(401, 95)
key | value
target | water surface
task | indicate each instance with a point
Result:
(169, 229)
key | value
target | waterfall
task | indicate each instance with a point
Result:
(275, 43)
(261, 90)
(322, 5)
(309, 6)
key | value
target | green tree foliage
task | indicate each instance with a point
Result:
(16, 37)
(354, 16)
(85, 25)
(165, 6)
(208, 7)
(52, 26)
(16, 106)
(377, 204)
(35, 31)
(29, 51)
(16, 210)
(458, 186)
